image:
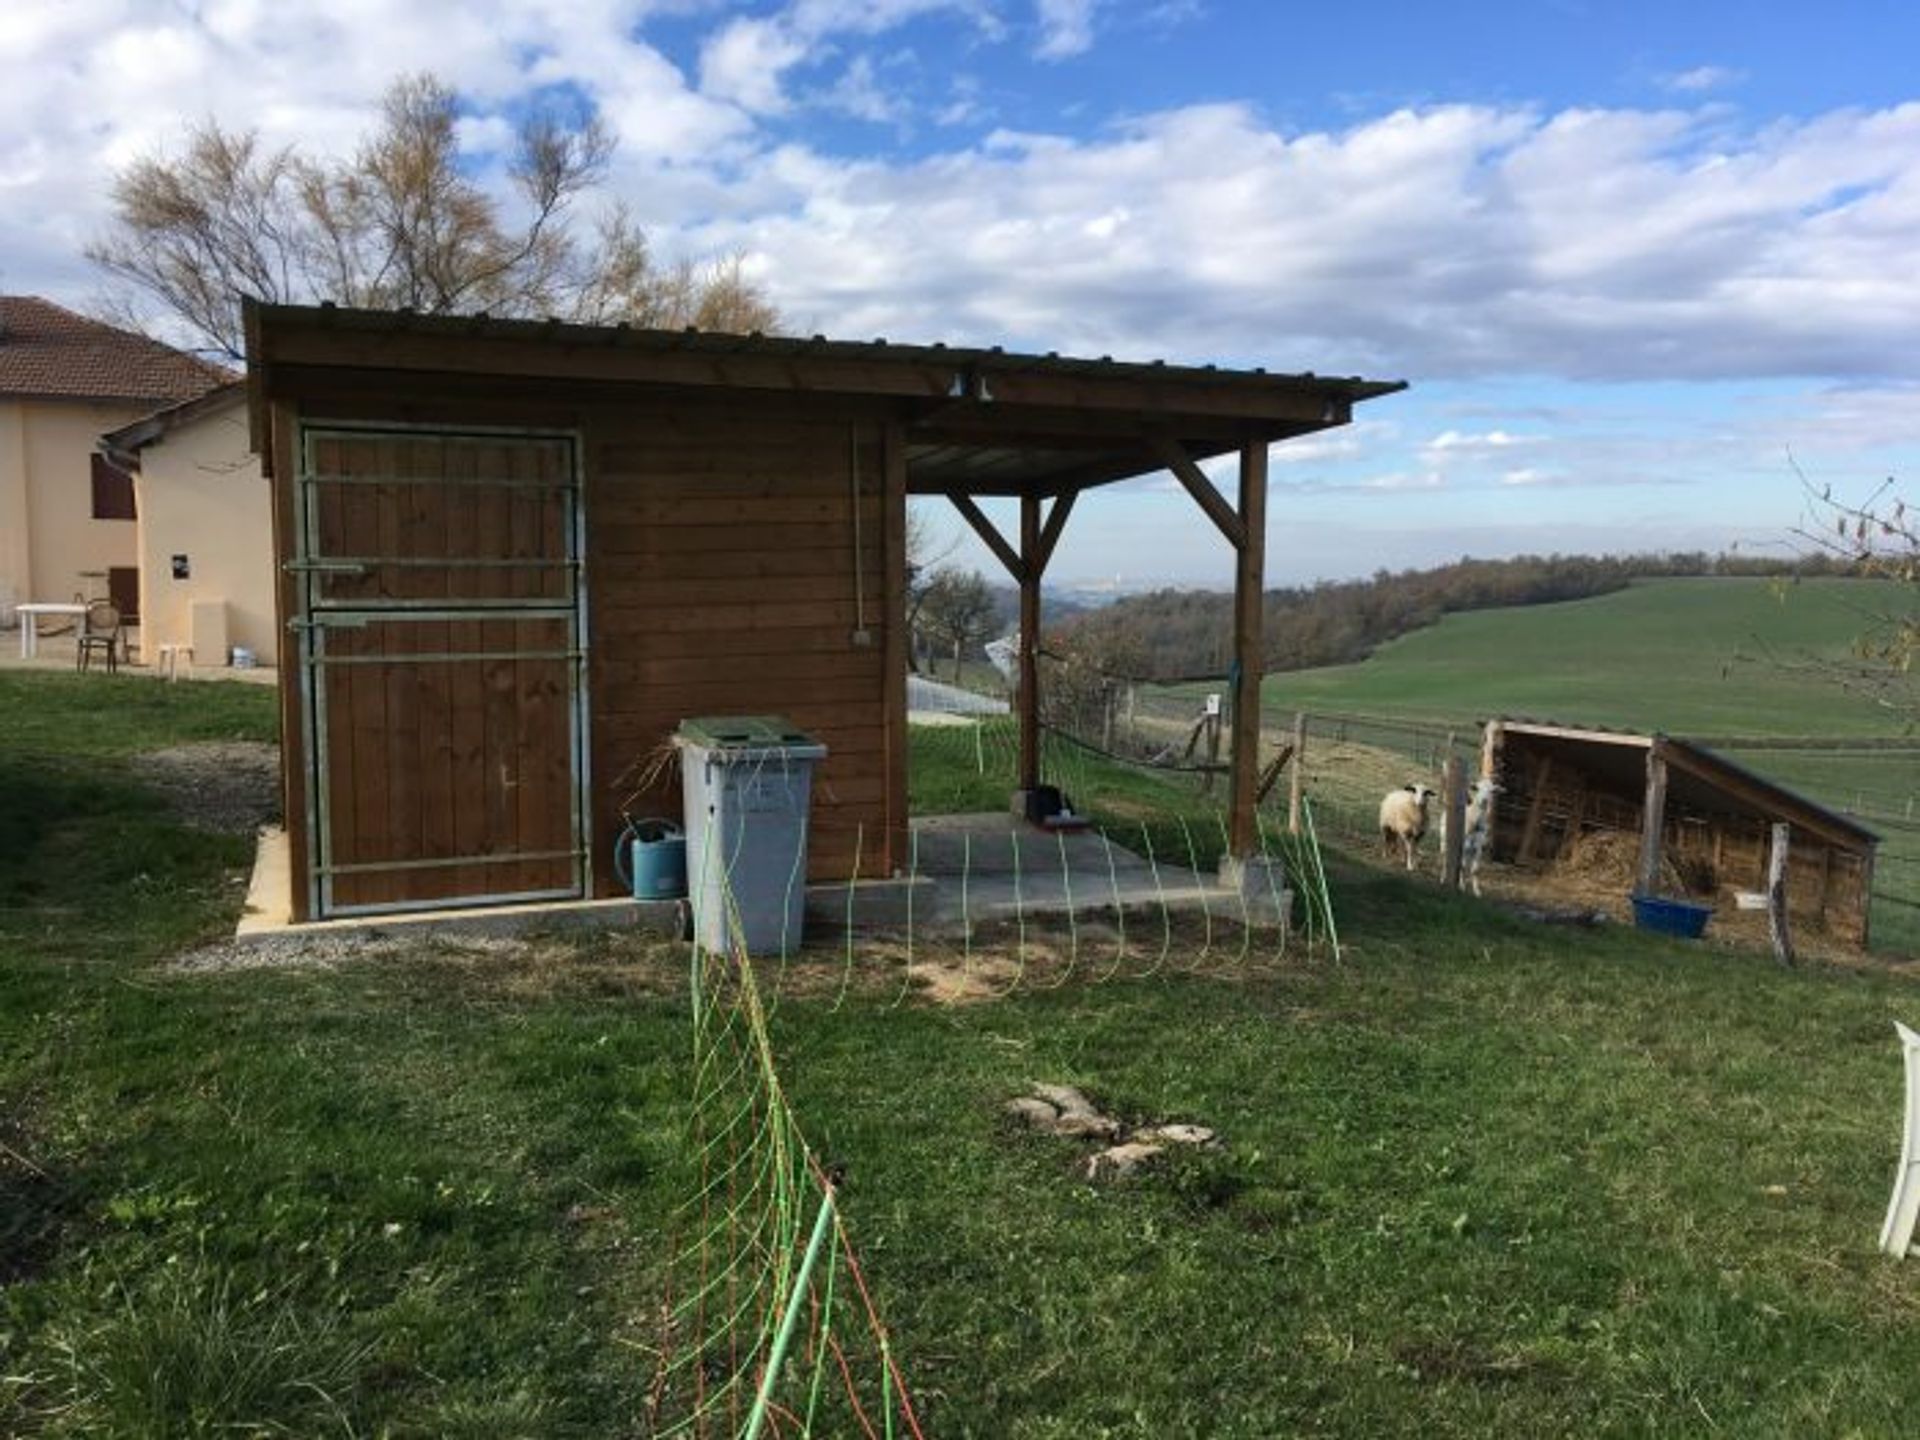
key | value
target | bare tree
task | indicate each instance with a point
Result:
(959, 608)
(926, 550)
(398, 224)
(1878, 537)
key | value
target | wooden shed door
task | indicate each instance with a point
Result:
(442, 659)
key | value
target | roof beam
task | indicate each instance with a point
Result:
(927, 376)
(1763, 796)
(983, 527)
(1175, 457)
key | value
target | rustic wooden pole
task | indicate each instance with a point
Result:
(1249, 657)
(1297, 782)
(1490, 742)
(1454, 787)
(1029, 641)
(893, 468)
(1653, 821)
(1777, 895)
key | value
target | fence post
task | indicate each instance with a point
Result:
(1653, 821)
(1455, 786)
(1777, 895)
(1297, 782)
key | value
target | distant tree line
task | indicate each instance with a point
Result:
(1188, 634)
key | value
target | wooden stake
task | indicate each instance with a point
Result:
(1297, 783)
(1455, 796)
(1777, 895)
(1653, 821)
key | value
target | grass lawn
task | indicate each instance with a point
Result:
(1484, 1178)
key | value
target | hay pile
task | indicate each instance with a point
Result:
(1610, 860)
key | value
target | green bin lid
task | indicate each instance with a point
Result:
(744, 732)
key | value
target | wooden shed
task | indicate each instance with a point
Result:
(513, 556)
(1695, 819)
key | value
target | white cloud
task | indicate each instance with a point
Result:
(744, 62)
(1491, 440)
(1066, 28)
(1454, 241)
(1701, 79)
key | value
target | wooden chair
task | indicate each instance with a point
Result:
(1896, 1236)
(99, 630)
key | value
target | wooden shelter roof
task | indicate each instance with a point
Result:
(1699, 779)
(978, 421)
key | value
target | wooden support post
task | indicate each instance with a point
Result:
(1029, 641)
(1297, 783)
(1454, 796)
(1536, 811)
(893, 469)
(1653, 821)
(1777, 895)
(1249, 656)
(1491, 740)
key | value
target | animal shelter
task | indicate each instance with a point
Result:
(1672, 817)
(514, 556)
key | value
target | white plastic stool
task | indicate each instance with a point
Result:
(1896, 1236)
(169, 660)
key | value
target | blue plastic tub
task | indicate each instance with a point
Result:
(1671, 917)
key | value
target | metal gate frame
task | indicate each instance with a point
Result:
(317, 614)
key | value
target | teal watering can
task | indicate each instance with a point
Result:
(650, 857)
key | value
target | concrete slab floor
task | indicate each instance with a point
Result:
(967, 869)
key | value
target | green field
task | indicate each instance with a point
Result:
(1688, 657)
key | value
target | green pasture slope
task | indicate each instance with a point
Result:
(1689, 657)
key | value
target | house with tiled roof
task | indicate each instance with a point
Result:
(67, 514)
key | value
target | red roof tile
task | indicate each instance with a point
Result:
(49, 351)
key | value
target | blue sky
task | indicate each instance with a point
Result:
(1639, 261)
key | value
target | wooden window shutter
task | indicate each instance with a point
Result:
(112, 490)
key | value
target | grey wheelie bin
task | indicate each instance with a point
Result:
(746, 782)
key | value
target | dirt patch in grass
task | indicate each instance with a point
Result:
(231, 786)
(507, 968)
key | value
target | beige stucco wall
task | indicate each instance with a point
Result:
(48, 535)
(201, 495)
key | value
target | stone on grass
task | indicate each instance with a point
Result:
(1177, 1135)
(1037, 1113)
(1065, 1098)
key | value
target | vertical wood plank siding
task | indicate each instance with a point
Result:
(728, 571)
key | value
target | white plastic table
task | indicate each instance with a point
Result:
(30, 621)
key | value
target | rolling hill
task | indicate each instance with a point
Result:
(1708, 657)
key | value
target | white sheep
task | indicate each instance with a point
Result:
(1403, 817)
(1477, 830)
